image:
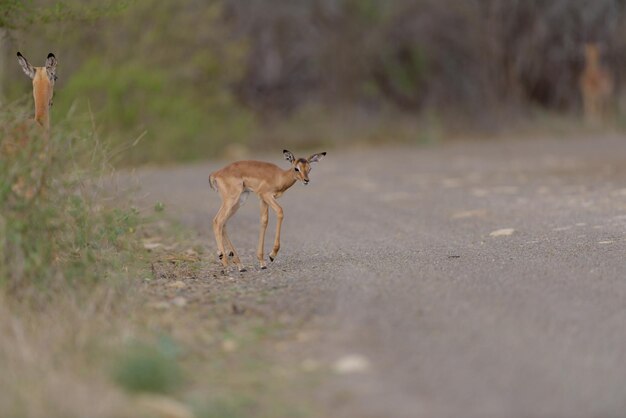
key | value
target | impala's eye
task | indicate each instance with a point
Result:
(297, 169)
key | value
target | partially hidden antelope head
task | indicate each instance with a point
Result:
(235, 181)
(43, 86)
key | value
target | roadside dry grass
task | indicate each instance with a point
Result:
(53, 357)
(183, 341)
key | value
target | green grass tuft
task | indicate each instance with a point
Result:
(149, 368)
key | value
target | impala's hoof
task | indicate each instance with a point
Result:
(231, 254)
(242, 269)
(220, 256)
(271, 258)
(263, 267)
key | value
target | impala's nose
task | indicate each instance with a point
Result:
(305, 181)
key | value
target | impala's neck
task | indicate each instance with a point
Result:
(288, 178)
(42, 93)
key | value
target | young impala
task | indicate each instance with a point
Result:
(596, 85)
(43, 86)
(269, 182)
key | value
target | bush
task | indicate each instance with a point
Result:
(54, 228)
(130, 99)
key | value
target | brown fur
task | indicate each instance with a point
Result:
(43, 87)
(596, 85)
(42, 93)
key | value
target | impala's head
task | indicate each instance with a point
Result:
(43, 84)
(302, 167)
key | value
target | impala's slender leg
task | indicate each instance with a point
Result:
(218, 226)
(591, 108)
(269, 198)
(587, 107)
(264, 219)
(217, 231)
(229, 244)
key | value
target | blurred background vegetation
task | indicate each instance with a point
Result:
(194, 79)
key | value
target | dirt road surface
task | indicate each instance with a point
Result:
(475, 279)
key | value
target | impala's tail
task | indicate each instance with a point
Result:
(212, 182)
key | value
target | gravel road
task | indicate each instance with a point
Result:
(475, 279)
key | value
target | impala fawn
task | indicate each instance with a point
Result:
(43, 80)
(596, 86)
(269, 182)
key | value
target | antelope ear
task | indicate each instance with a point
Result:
(26, 67)
(51, 66)
(288, 156)
(316, 157)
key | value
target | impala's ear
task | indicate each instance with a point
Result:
(316, 157)
(51, 66)
(26, 67)
(288, 156)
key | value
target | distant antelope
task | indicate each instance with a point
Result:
(43, 86)
(596, 85)
(43, 89)
(269, 182)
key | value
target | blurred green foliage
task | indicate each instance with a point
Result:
(149, 367)
(22, 14)
(178, 95)
(13, 13)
